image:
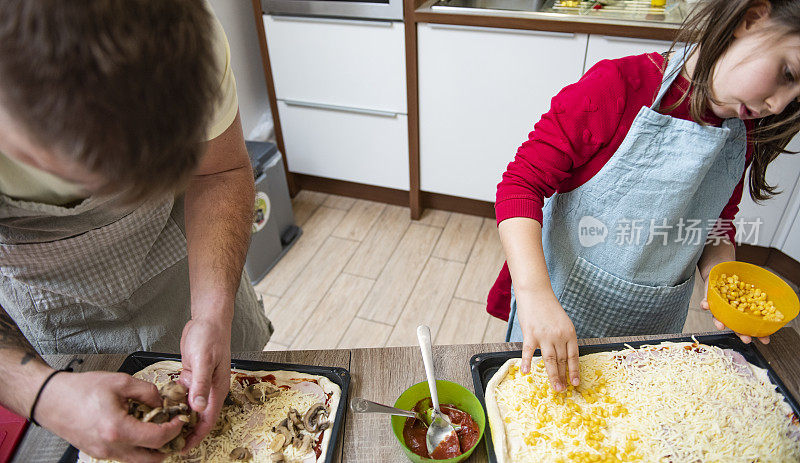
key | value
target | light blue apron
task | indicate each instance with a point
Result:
(622, 249)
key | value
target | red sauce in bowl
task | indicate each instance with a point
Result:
(414, 432)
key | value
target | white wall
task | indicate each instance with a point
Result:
(237, 19)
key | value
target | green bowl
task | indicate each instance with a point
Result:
(449, 393)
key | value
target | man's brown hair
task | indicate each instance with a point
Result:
(712, 26)
(124, 87)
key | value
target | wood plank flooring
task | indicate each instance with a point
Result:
(363, 274)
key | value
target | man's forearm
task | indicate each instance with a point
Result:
(219, 216)
(22, 370)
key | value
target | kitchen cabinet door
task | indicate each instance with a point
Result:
(766, 224)
(341, 62)
(481, 90)
(602, 47)
(354, 145)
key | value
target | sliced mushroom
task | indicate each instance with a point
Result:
(156, 415)
(253, 395)
(282, 429)
(173, 393)
(315, 417)
(276, 457)
(277, 443)
(294, 417)
(241, 453)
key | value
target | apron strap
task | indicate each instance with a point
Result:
(672, 71)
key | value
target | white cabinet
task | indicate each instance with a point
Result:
(341, 90)
(357, 146)
(351, 63)
(602, 47)
(767, 223)
(481, 90)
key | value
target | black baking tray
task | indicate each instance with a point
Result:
(339, 376)
(484, 366)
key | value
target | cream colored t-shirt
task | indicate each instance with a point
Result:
(21, 181)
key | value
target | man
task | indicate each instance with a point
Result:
(121, 227)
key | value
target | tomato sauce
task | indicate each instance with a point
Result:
(414, 432)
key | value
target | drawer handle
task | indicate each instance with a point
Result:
(348, 109)
(501, 30)
(310, 19)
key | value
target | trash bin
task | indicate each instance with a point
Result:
(274, 231)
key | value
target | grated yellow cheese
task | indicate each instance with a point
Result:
(666, 403)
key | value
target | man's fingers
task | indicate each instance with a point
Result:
(150, 435)
(527, 356)
(200, 385)
(551, 366)
(573, 364)
(141, 391)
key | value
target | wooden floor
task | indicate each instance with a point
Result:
(364, 275)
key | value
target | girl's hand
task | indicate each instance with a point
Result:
(545, 325)
(745, 338)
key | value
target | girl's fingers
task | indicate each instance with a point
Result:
(764, 340)
(704, 304)
(561, 354)
(572, 362)
(745, 338)
(550, 358)
(528, 347)
(719, 324)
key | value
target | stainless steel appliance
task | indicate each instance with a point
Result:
(371, 9)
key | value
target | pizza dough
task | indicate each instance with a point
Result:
(676, 402)
(255, 410)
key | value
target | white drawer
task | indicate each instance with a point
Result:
(346, 144)
(602, 47)
(353, 63)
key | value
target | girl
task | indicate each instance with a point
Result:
(646, 155)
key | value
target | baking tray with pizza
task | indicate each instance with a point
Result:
(685, 399)
(274, 412)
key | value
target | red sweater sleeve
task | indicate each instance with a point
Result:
(583, 117)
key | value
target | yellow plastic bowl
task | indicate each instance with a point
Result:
(784, 298)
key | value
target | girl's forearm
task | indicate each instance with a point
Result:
(522, 242)
(715, 253)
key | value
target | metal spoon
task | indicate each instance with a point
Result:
(360, 405)
(440, 427)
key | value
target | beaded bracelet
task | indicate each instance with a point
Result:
(69, 368)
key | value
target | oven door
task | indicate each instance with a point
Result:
(371, 9)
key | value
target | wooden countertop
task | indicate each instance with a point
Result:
(381, 374)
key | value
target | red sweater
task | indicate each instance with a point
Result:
(586, 124)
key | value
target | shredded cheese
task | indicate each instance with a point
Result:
(673, 402)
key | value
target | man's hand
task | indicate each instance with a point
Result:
(206, 353)
(90, 410)
(720, 326)
(545, 325)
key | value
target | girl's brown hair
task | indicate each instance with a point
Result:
(712, 26)
(123, 87)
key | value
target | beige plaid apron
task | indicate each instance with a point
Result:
(96, 278)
